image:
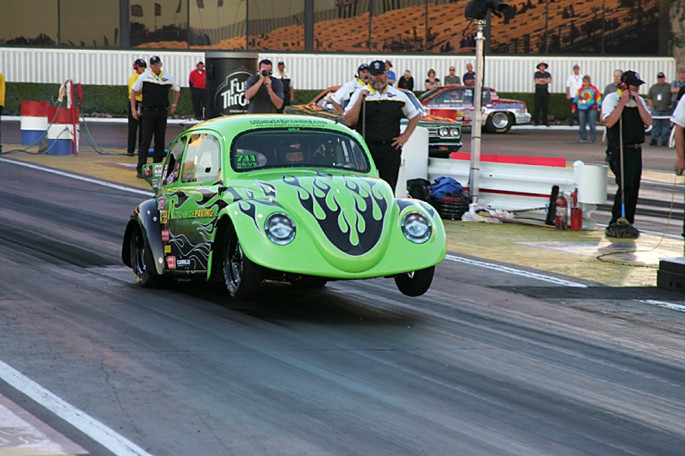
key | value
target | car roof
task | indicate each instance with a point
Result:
(231, 125)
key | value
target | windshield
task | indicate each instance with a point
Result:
(414, 101)
(297, 148)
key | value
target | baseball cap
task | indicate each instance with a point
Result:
(388, 63)
(631, 77)
(155, 59)
(281, 63)
(363, 67)
(575, 65)
(661, 75)
(377, 67)
(140, 63)
(542, 64)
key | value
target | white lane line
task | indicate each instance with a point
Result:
(513, 271)
(665, 305)
(94, 429)
(81, 178)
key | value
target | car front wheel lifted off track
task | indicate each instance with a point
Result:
(415, 283)
(241, 275)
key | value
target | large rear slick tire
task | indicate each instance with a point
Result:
(241, 275)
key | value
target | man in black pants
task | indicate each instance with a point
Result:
(626, 115)
(154, 85)
(542, 81)
(385, 106)
(135, 133)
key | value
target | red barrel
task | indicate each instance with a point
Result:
(63, 132)
(34, 121)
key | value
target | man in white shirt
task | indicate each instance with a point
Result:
(573, 83)
(342, 96)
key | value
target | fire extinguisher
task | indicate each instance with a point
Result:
(560, 218)
(576, 213)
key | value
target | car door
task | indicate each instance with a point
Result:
(192, 202)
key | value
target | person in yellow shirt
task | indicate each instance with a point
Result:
(2, 103)
(134, 129)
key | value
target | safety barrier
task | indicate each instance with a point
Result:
(34, 121)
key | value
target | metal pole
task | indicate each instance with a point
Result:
(476, 121)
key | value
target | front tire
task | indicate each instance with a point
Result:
(415, 283)
(499, 122)
(241, 275)
(141, 261)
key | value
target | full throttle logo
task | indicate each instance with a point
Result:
(230, 96)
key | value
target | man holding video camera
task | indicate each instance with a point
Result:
(264, 92)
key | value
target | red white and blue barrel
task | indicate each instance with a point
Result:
(64, 131)
(34, 121)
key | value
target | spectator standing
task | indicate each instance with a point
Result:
(613, 86)
(264, 92)
(659, 101)
(392, 77)
(542, 81)
(288, 90)
(469, 78)
(625, 116)
(406, 81)
(342, 96)
(677, 85)
(573, 83)
(135, 131)
(2, 104)
(431, 81)
(452, 79)
(376, 111)
(197, 84)
(587, 102)
(155, 86)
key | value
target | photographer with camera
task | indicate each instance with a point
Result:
(264, 92)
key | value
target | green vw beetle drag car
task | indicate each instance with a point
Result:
(244, 199)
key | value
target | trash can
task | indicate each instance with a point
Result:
(227, 73)
(64, 131)
(34, 121)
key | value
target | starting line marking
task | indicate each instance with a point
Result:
(94, 429)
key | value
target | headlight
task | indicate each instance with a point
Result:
(416, 227)
(280, 229)
(443, 131)
(456, 133)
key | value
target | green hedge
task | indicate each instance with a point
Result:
(113, 100)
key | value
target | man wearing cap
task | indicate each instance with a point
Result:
(542, 81)
(154, 85)
(135, 133)
(197, 84)
(342, 96)
(392, 77)
(626, 115)
(375, 111)
(677, 86)
(659, 100)
(288, 91)
(264, 92)
(573, 83)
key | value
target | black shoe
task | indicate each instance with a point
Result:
(129, 153)
(664, 143)
(653, 143)
(139, 175)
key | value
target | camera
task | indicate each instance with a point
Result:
(266, 73)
